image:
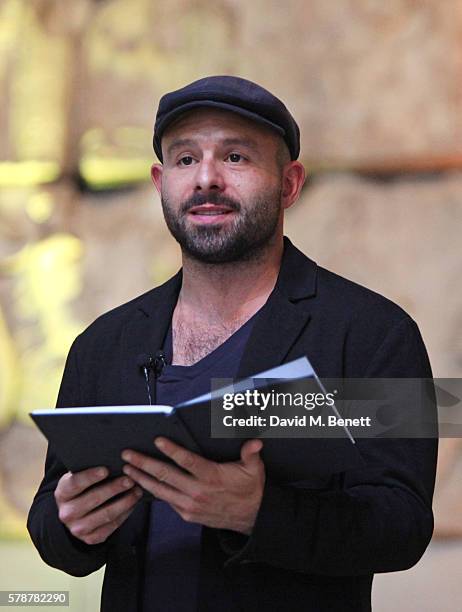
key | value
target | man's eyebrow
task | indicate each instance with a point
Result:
(180, 142)
(246, 142)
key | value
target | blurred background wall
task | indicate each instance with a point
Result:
(377, 90)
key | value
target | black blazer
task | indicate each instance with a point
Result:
(313, 548)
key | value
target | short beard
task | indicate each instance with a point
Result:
(242, 240)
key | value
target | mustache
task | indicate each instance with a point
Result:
(198, 199)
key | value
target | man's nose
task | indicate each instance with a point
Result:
(209, 175)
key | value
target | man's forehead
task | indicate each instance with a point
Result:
(218, 124)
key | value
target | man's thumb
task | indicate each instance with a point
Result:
(250, 451)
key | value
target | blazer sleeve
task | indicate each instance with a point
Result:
(54, 542)
(378, 520)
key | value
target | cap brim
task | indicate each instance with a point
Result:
(171, 116)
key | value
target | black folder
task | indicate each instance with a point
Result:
(96, 436)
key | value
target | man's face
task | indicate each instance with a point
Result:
(220, 185)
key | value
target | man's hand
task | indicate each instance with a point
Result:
(82, 511)
(219, 495)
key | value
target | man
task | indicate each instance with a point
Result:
(224, 536)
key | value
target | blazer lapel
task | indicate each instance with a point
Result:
(276, 330)
(285, 315)
(144, 334)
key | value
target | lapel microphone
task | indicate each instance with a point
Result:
(148, 364)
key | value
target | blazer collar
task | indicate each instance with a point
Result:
(144, 334)
(155, 309)
(298, 273)
(284, 316)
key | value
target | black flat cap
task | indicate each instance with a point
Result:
(232, 94)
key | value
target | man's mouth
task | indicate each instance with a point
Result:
(210, 211)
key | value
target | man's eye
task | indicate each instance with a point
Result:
(235, 158)
(187, 160)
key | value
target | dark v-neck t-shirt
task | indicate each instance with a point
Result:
(173, 548)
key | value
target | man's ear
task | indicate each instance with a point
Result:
(156, 176)
(292, 183)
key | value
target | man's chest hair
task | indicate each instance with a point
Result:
(194, 341)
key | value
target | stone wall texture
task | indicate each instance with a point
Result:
(368, 81)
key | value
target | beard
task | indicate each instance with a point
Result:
(251, 230)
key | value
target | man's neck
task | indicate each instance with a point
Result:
(220, 294)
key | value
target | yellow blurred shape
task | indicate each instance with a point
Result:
(47, 278)
(39, 90)
(115, 159)
(92, 140)
(28, 173)
(10, 19)
(119, 40)
(39, 207)
(103, 173)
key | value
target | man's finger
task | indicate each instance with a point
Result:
(106, 515)
(186, 459)
(70, 485)
(250, 452)
(87, 501)
(101, 534)
(163, 472)
(158, 489)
